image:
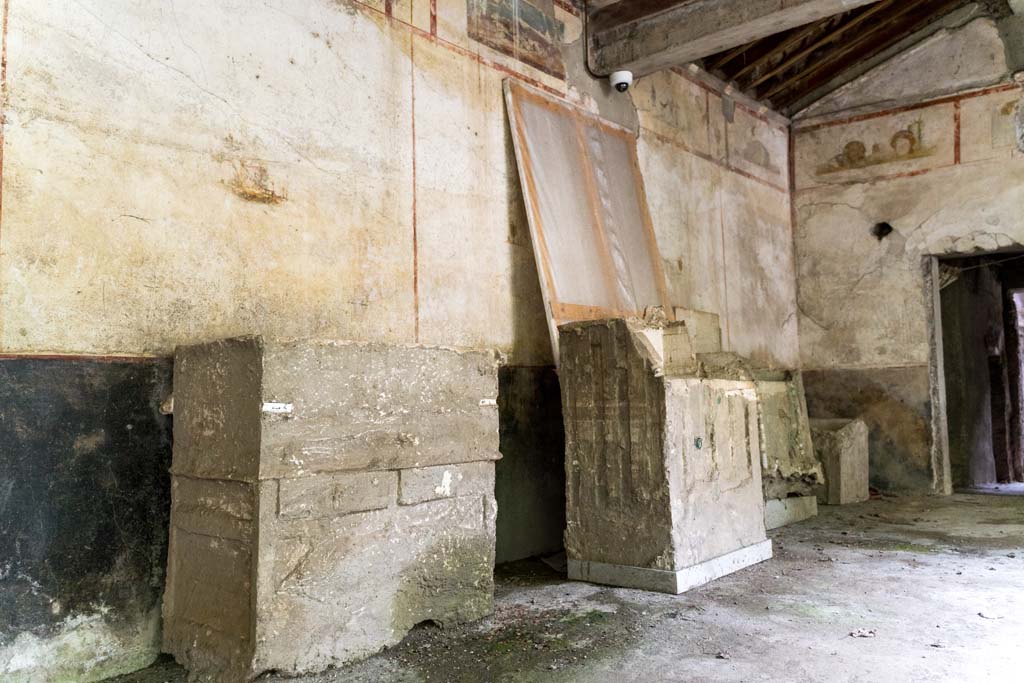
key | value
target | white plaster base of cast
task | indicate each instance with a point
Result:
(780, 513)
(673, 582)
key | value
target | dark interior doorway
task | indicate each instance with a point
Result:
(982, 299)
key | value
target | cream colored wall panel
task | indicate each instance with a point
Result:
(178, 176)
(119, 247)
(675, 108)
(759, 148)
(988, 126)
(683, 193)
(862, 302)
(478, 283)
(761, 288)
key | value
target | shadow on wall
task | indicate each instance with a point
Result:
(530, 477)
(895, 403)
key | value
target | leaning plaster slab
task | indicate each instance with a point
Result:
(668, 581)
(780, 513)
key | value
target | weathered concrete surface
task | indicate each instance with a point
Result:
(705, 329)
(790, 467)
(376, 407)
(780, 512)
(957, 190)
(84, 501)
(662, 472)
(842, 448)
(530, 477)
(916, 571)
(327, 498)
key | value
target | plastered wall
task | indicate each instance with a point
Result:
(334, 169)
(948, 176)
(311, 169)
(717, 175)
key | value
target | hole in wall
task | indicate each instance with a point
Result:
(426, 625)
(881, 230)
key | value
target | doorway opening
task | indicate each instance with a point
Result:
(982, 308)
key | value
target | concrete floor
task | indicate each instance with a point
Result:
(936, 585)
(1016, 489)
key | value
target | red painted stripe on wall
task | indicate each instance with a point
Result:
(1006, 87)
(957, 127)
(707, 157)
(415, 207)
(875, 179)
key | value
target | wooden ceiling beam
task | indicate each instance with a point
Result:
(794, 39)
(828, 70)
(682, 31)
(722, 60)
(831, 37)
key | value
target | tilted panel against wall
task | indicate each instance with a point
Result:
(596, 251)
(326, 498)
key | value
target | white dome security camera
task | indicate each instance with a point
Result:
(621, 80)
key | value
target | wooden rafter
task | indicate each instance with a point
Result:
(783, 69)
(881, 36)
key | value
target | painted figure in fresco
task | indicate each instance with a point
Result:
(526, 30)
(905, 144)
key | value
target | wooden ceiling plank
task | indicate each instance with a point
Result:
(729, 56)
(878, 37)
(854, 22)
(831, 66)
(794, 40)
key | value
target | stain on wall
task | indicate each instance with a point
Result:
(84, 501)
(894, 403)
(251, 181)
